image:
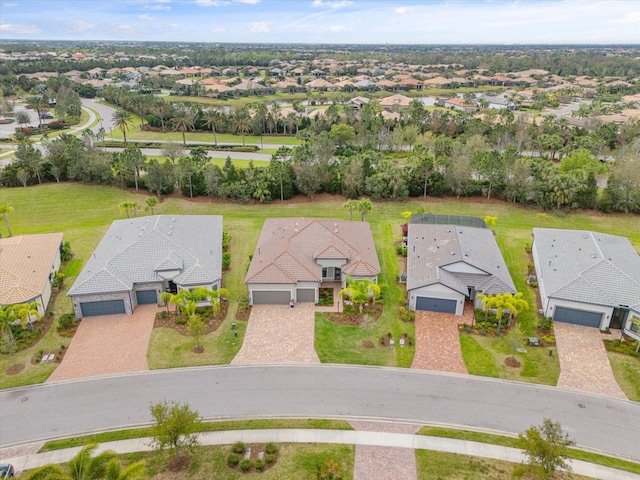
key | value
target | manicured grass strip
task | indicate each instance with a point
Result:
(432, 465)
(478, 360)
(512, 442)
(259, 424)
(73, 268)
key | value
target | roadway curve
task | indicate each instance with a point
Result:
(76, 407)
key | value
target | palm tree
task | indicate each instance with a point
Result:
(122, 120)
(5, 210)
(211, 118)
(183, 119)
(242, 122)
(129, 208)
(213, 297)
(350, 205)
(114, 471)
(151, 202)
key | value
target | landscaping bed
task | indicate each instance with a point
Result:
(353, 317)
(179, 323)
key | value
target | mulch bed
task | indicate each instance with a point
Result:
(367, 344)
(212, 324)
(256, 448)
(182, 463)
(355, 319)
(242, 314)
(512, 362)
(15, 368)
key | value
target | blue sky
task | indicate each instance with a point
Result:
(325, 21)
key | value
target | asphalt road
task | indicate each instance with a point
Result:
(264, 157)
(72, 408)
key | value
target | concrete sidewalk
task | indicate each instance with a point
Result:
(349, 437)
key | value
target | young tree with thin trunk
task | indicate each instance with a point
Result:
(546, 449)
(176, 427)
(5, 210)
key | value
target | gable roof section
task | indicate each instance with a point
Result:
(25, 265)
(136, 251)
(288, 250)
(473, 251)
(588, 267)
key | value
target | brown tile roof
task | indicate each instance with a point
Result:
(25, 264)
(288, 250)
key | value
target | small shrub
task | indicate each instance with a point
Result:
(225, 240)
(181, 321)
(545, 324)
(270, 447)
(245, 464)
(238, 447)
(270, 458)
(533, 284)
(65, 322)
(226, 260)
(407, 315)
(65, 254)
(233, 459)
(550, 339)
(527, 248)
(259, 465)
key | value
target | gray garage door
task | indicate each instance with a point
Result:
(106, 307)
(271, 297)
(578, 317)
(436, 304)
(306, 295)
(146, 297)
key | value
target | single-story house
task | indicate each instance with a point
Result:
(295, 256)
(587, 278)
(140, 258)
(28, 264)
(448, 264)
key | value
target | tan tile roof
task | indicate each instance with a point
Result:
(288, 250)
(25, 264)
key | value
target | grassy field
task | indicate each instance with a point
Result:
(84, 212)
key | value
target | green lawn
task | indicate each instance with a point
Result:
(626, 371)
(89, 210)
(295, 461)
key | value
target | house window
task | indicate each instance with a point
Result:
(324, 273)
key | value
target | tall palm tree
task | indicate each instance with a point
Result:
(114, 471)
(183, 119)
(122, 121)
(5, 210)
(211, 118)
(242, 122)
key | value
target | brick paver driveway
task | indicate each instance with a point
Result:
(279, 334)
(108, 345)
(384, 463)
(584, 364)
(438, 342)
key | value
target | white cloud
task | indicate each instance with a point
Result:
(402, 10)
(146, 16)
(333, 4)
(158, 7)
(259, 27)
(81, 26)
(211, 3)
(19, 28)
(8, 5)
(218, 29)
(251, 2)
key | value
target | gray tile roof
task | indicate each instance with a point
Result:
(288, 250)
(589, 267)
(137, 250)
(456, 256)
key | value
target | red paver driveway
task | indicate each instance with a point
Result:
(279, 334)
(584, 364)
(108, 345)
(438, 342)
